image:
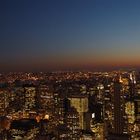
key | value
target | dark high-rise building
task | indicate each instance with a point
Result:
(118, 108)
(137, 108)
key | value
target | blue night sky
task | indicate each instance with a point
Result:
(69, 34)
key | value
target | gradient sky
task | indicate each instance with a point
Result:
(69, 34)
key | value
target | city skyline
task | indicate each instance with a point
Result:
(69, 35)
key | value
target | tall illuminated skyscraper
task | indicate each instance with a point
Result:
(81, 104)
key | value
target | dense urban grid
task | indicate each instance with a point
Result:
(70, 106)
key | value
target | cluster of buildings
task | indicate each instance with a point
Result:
(70, 106)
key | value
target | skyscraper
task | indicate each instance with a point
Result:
(118, 109)
(81, 104)
(118, 105)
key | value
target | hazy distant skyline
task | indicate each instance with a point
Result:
(69, 34)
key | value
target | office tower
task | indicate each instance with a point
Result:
(68, 117)
(80, 102)
(4, 101)
(107, 109)
(30, 93)
(137, 102)
(119, 108)
(100, 91)
(137, 108)
(17, 99)
(96, 124)
(130, 112)
(45, 101)
(96, 110)
(61, 110)
(137, 117)
(72, 121)
(130, 118)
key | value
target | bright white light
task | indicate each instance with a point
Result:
(93, 115)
